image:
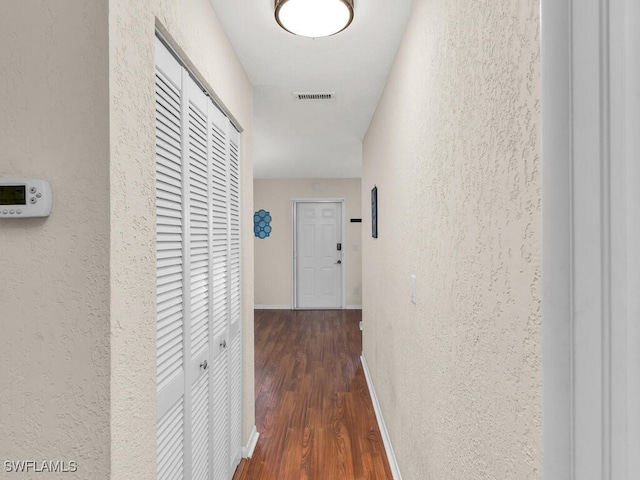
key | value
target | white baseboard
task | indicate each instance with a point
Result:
(247, 451)
(272, 307)
(391, 456)
(289, 307)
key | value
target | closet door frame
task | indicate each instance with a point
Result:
(219, 343)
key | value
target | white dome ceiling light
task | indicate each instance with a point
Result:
(314, 18)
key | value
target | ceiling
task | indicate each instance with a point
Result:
(313, 138)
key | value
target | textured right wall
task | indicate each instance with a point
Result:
(454, 149)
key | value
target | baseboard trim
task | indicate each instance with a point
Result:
(391, 456)
(272, 307)
(247, 451)
(289, 307)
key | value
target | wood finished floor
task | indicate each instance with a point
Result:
(313, 409)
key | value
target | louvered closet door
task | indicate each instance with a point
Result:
(198, 375)
(170, 268)
(235, 337)
(198, 280)
(218, 131)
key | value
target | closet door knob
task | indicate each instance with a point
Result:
(223, 344)
(204, 365)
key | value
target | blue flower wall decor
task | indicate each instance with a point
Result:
(262, 224)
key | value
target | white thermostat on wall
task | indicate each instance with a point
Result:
(25, 197)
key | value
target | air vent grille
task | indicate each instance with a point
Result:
(314, 95)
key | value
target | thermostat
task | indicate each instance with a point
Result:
(25, 197)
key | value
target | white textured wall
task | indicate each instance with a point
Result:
(273, 255)
(454, 149)
(77, 289)
(192, 27)
(132, 225)
(54, 272)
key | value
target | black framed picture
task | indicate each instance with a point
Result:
(374, 212)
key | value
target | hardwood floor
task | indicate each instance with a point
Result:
(313, 409)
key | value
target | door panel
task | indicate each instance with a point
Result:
(220, 412)
(308, 240)
(170, 443)
(235, 310)
(327, 279)
(169, 269)
(198, 438)
(235, 402)
(198, 222)
(306, 283)
(328, 243)
(200, 428)
(218, 132)
(318, 262)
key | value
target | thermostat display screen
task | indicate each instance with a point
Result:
(13, 195)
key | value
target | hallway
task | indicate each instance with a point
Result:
(313, 409)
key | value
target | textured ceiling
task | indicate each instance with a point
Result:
(313, 138)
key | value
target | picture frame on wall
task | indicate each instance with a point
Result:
(374, 212)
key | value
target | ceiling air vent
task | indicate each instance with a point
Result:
(314, 95)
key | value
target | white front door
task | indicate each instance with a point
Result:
(318, 256)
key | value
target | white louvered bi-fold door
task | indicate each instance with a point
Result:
(235, 337)
(198, 378)
(218, 132)
(170, 233)
(198, 280)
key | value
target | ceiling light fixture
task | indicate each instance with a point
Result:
(314, 18)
